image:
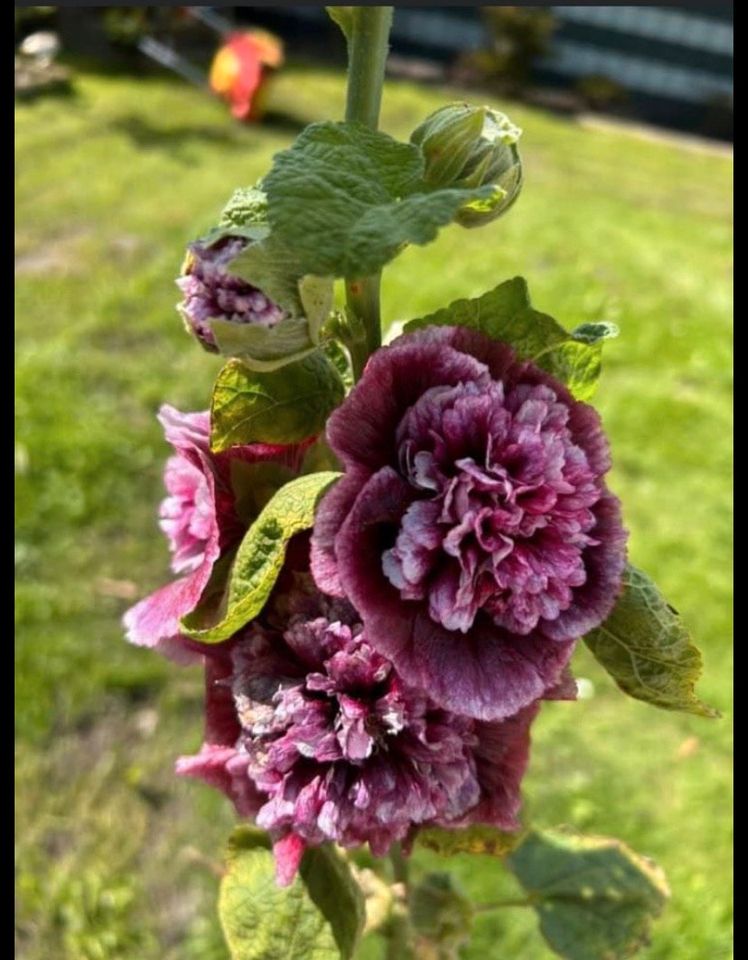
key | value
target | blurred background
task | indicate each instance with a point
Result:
(130, 136)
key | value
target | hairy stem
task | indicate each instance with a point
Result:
(367, 54)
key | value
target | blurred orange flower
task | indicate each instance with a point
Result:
(240, 70)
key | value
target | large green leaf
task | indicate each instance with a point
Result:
(646, 648)
(259, 559)
(594, 896)
(347, 199)
(319, 917)
(505, 314)
(473, 839)
(275, 406)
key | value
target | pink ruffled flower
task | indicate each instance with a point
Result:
(200, 521)
(472, 530)
(311, 731)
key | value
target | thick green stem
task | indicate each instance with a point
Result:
(367, 55)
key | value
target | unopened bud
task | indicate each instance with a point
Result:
(466, 146)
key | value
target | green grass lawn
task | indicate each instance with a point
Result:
(116, 858)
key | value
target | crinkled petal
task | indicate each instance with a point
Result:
(363, 430)
(487, 673)
(604, 563)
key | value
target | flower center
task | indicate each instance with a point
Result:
(501, 511)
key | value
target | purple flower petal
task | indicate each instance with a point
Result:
(472, 530)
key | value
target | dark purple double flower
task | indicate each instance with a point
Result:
(469, 544)
(472, 530)
(313, 733)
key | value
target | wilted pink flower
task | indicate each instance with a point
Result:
(211, 292)
(327, 743)
(200, 522)
(472, 529)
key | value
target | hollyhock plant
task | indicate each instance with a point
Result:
(313, 732)
(200, 520)
(472, 529)
(383, 587)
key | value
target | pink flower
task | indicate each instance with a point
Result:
(200, 521)
(472, 530)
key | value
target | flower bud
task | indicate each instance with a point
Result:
(210, 292)
(465, 146)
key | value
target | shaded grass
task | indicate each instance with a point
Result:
(111, 184)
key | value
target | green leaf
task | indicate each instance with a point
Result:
(316, 294)
(261, 348)
(340, 359)
(276, 406)
(319, 917)
(247, 205)
(344, 17)
(645, 647)
(347, 199)
(250, 231)
(268, 348)
(474, 839)
(259, 559)
(273, 267)
(594, 332)
(505, 314)
(594, 896)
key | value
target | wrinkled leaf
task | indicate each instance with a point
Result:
(505, 314)
(347, 199)
(247, 205)
(595, 897)
(319, 917)
(259, 559)
(473, 839)
(645, 647)
(277, 406)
